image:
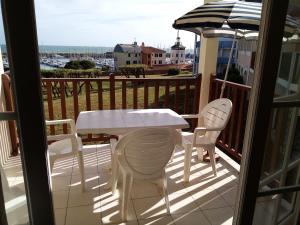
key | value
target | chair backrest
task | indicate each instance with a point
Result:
(216, 114)
(145, 152)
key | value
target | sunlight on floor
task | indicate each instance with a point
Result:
(205, 200)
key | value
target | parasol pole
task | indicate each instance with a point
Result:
(194, 58)
(228, 64)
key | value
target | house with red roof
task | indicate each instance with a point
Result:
(152, 56)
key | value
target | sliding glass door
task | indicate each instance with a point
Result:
(270, 179)
(25, 196)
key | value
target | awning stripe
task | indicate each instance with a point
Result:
(235, 14)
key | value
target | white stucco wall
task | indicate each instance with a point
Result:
(158, 58)
(180, 58)
(121, 58)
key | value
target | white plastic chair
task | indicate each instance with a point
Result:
(66, 145)
(143, 154)
(215, 117)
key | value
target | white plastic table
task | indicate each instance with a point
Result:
(122, 121)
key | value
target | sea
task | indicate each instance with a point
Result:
(78, 49)
(68, 49)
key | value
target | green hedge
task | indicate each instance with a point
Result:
(70, 73)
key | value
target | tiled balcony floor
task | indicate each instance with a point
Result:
(205, 200)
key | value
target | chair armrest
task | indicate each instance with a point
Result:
(64, 121)
(204, 129)
(190, 116)
(57, 122)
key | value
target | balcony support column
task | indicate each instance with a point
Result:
(207, 66)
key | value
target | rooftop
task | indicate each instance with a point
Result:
(127, 48)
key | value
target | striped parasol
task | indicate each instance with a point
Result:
(235, 19)
(227, 15)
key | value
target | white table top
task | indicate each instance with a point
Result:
(121, 121)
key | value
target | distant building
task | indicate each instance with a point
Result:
(177, 52)
(152, 56)
(245, 59)
(127, 54)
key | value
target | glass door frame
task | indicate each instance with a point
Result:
(260, 109)
(22, 48)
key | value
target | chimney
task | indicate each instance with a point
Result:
(143, 44)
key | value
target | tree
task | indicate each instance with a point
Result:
(80, 64)
(75, 65)
(86, 64)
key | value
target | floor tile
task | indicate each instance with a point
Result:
(208, 199)
(135, 222)
(166, 220)
(230, 195)
(91, 182)
(143, 189)
(181, 203)
(150, 207)
(78, 198)
(190, 218)
(60, 216)
(63, 167)
(84, 215)
(61, 183)
(220, 216)
(60, 199)
(90, 164)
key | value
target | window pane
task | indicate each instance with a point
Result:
(285, 65)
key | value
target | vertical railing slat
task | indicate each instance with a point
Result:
(186, 97)
(156, 94)
(232, 120)
(63, 104)
(88, 95)
(100, 94)
(87, 84)
(177, 90)
(124, 98)
(135, 94)
(167, 94)
(145, 94)
(50, 105)
(75, 99)
(239, 120)
(112, 92)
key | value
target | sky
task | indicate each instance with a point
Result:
(108, 22)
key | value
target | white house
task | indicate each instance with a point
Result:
(127, 54)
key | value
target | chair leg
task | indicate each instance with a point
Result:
(165, 190)
(114, 177)
(172, 156)
(127, 184)
(211, 153)
(81, 169)
(200, 154)
(187, 162)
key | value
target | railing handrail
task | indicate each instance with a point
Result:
(239, 86)
(122, 79)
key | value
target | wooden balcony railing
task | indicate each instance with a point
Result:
(231, 138)
(66, 97)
